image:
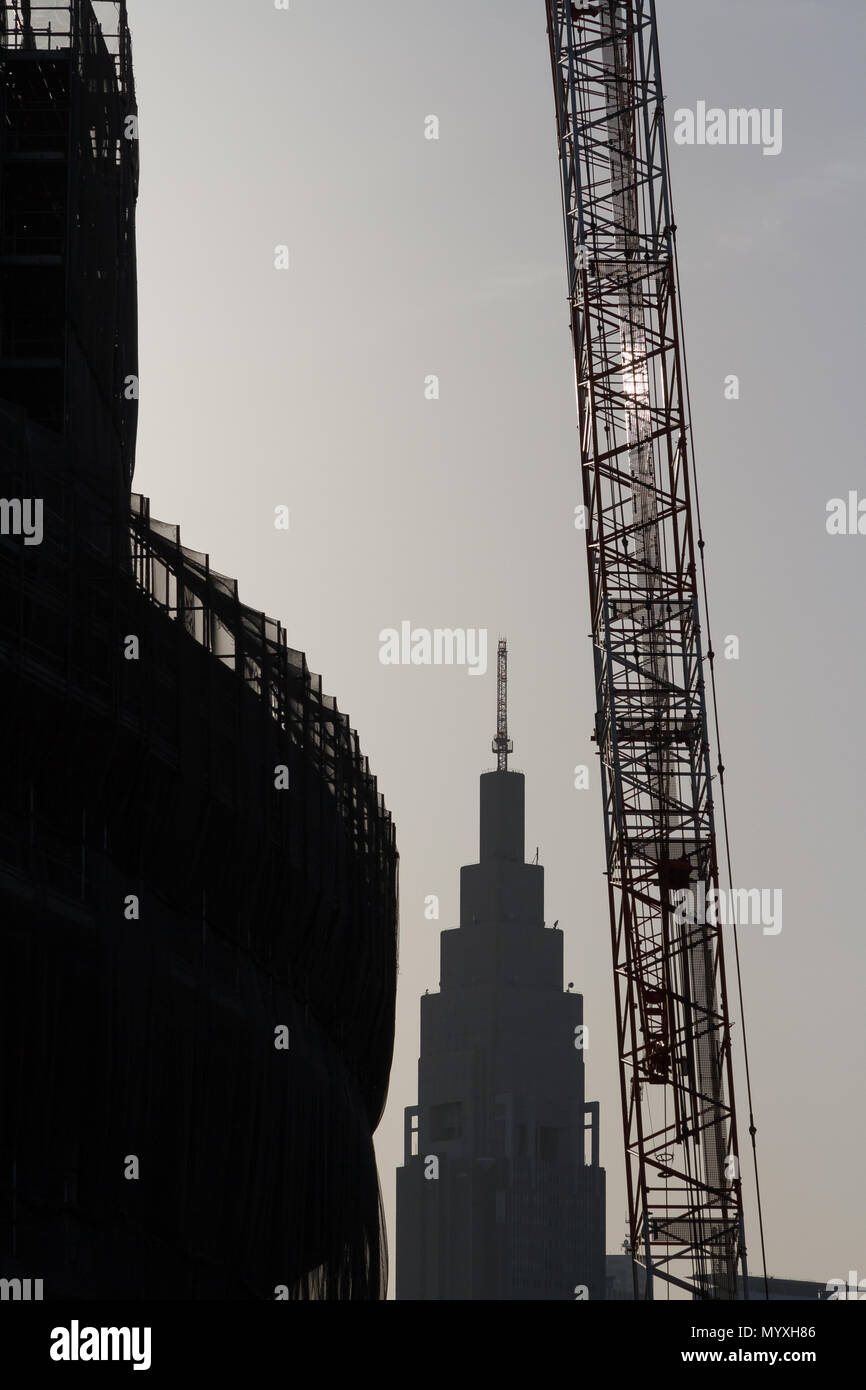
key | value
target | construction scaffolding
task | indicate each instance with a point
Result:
(68, 187)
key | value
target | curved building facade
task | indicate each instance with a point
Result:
(198, 876)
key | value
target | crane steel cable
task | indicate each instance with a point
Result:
(723, 796)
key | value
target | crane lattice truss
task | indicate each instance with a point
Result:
(673, 1025)
(502, 744)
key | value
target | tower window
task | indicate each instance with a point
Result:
(548, 1143)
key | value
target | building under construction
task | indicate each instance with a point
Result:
(501, 1195)
(198, 877)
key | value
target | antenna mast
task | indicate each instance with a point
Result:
(502, 744)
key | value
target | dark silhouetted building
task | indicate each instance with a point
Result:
(198, 877)
(501, 1195)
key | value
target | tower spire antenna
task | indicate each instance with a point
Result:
(502, 744)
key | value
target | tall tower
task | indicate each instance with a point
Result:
(501, 1195)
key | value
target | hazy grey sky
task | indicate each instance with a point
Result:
(410, 257)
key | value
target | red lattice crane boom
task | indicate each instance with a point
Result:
(639, 510)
